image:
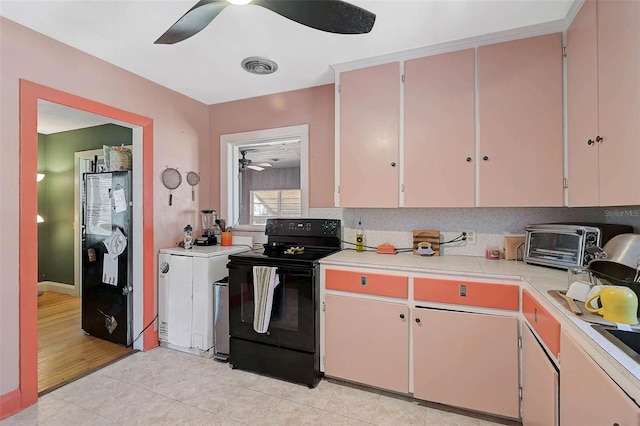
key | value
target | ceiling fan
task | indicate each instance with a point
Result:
(334, 16)
(245, 163)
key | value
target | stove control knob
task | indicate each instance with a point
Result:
(329, 227)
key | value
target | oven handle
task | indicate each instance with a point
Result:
(296, 272)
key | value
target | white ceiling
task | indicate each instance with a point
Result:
(206, 67)
(55, 118)
(279, 154)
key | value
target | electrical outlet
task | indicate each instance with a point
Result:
(471, 237)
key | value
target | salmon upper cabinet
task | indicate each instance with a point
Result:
(413, 143)
(369, 135)
(439, 125)
(603, 92)
(520, 123)
(588, 396)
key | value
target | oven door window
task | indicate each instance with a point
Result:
(292, 320)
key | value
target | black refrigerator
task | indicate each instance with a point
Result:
(106, 256)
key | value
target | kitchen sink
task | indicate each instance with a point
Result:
(626, 341)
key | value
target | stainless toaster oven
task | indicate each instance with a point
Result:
(562, 245)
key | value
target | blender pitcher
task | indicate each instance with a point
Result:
(209, 228)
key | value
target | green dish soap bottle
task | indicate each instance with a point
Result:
(359, 237)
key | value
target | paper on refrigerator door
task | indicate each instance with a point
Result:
(115, 243)
(98, 206)
(110, 270)
(120, 200)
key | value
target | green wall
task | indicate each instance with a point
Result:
(56, 194)
(42, 197)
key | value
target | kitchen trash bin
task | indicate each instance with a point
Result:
(221, 319)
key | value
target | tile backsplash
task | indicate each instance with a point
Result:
(395, 226)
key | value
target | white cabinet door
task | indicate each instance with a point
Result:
(180, 293)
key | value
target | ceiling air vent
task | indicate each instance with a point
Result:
(257, 65)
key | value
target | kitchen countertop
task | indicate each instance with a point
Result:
(538, 279)
(240, 244)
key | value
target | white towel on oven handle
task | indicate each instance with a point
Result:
(265, 280)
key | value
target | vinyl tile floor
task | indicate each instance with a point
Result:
(168, 387)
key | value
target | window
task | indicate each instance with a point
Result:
(274, 203)
(236, 204)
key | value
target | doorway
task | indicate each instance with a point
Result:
(144, 289)
(67, 349)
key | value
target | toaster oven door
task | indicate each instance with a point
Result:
(556, 249)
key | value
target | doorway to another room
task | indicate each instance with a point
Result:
(66, 348)
(31, 95)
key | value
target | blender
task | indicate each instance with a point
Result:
(209, 228)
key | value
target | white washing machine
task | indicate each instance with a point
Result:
(185, 293)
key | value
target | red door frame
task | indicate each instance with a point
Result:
(28, 300)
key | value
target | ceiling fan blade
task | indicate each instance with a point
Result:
(263, 164)
(192, 22)
(333, 16)
(254, 167)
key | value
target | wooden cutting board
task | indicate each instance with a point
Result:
(432, 237)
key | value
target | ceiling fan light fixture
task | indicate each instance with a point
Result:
(258, 65)
(239, 2)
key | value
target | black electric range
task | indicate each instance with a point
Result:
(289, 349)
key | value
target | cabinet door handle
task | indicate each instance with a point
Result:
(418, 320)
(485, 158)
(590, 142)
(469, 159)
(393, 164)
(401, 316)
(599, 138)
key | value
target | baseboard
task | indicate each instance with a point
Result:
(71, 290)
(10, 403)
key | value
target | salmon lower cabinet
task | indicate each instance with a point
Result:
(466, 360)
(588, 396)
(539, 383)
(367, 341)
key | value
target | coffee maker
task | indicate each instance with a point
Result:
(210, 229)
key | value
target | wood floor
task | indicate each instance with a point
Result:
(65, 353)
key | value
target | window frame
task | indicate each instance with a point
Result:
(230, 145)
